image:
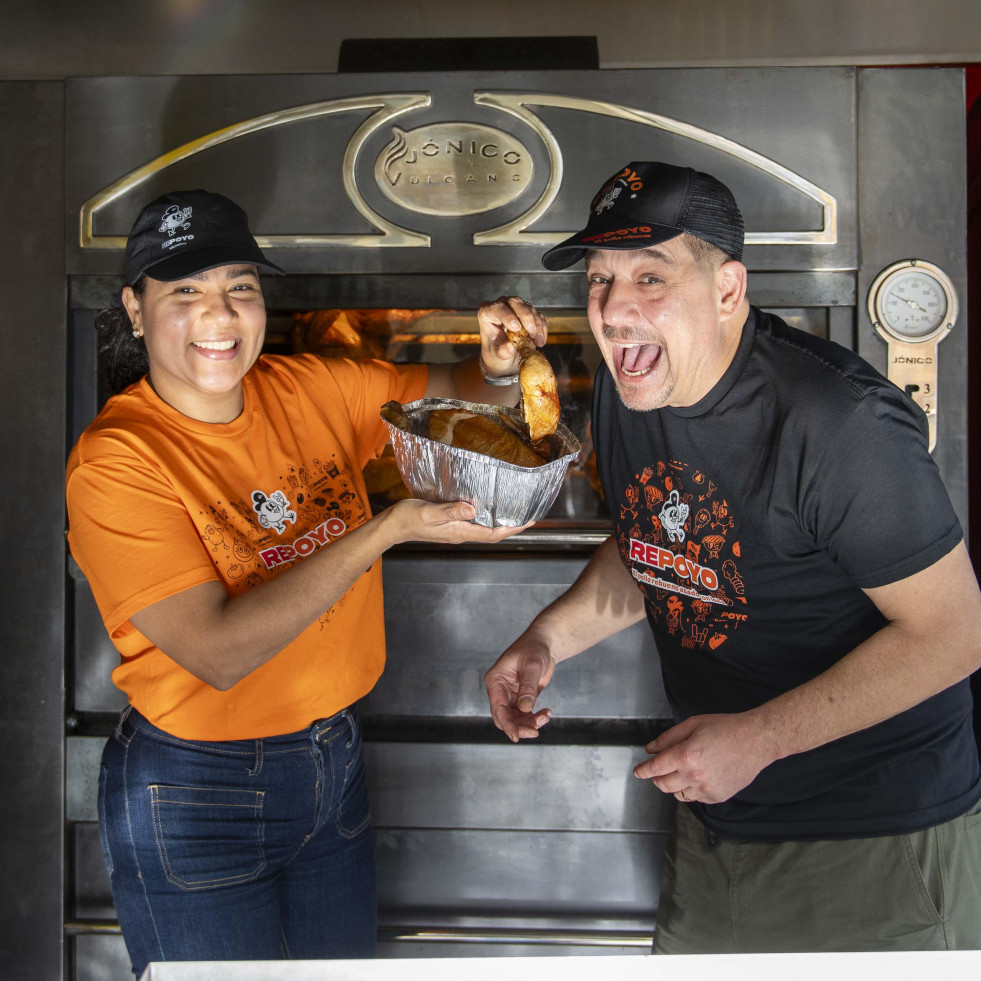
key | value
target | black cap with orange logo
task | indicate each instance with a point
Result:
(646, 203)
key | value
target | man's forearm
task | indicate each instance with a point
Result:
(930, 641)
(602, 601)
(887, 674)
(712, 757)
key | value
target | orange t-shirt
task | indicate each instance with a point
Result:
(159, 502)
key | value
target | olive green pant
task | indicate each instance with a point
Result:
(919, 891)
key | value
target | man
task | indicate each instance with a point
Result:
(780, 522)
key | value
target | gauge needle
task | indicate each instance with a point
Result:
(912, 304)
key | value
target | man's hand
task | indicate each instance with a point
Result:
(707, 757)
(465, 380)
(513, 685)
(495, 317)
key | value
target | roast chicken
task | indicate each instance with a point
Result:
(495, 433)
(539, 392)
(494, 437)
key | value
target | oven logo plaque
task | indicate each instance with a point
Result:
(453, 169)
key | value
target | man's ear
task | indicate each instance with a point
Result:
(731, 281)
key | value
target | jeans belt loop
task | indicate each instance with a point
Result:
(349, 716)
(123, 716)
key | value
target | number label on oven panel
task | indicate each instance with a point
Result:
(913, 306)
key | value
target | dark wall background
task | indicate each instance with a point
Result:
(32, 447)
(59, 38)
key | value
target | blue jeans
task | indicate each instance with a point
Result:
(256, 849)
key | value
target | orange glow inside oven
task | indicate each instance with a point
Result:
(440, 336)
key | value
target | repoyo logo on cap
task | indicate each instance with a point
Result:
(627, 178)
(175, 217)
(620, 234)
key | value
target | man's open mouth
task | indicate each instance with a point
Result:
(636, 360)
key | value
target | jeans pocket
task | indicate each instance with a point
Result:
(208, 837)
(353, 815)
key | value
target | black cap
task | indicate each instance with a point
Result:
(647, 203)
(187, 232)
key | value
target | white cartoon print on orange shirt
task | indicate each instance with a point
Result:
(274, 511)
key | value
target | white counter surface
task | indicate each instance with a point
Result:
(911, 966)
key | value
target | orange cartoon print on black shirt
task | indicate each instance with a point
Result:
(682, 549)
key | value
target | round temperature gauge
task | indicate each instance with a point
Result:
(912, 301)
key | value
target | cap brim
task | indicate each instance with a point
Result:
(189, 263)
(614, 236)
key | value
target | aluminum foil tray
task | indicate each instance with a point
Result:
(502, 493)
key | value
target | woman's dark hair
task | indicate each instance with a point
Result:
(123, 357)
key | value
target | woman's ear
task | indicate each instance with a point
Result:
(131, 304)
(731, 280)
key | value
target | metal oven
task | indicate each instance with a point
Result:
(396, 204)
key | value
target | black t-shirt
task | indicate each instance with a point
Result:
(751, 521)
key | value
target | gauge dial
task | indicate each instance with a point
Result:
(913, 305)
(912, 301)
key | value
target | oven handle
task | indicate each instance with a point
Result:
(555, 536)
(456, 934)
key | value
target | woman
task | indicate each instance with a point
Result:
(217, 508)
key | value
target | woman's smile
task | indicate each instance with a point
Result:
(217, 350)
